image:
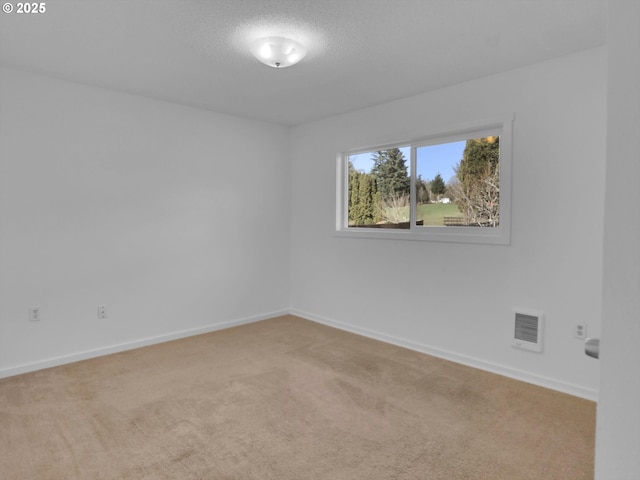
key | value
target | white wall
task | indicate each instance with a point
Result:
(456, 300)
(618, 420)
(176, 219)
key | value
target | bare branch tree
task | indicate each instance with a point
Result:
(394, 208)
(479, 199)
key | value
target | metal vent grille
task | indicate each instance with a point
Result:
(528, 331)
(526, 328)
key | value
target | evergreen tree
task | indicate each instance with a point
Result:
(363, 198)
(437, 185)
(390, 170)
(354, 189)
(480, 154)
(422, 191)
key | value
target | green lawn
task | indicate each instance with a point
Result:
(433, 213)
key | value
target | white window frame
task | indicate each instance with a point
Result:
(500, 235)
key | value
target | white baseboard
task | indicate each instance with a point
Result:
(503, 370)
(99, 352)
(506, 371)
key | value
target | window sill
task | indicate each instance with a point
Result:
(492, 236)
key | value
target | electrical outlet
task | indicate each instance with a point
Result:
(102, 311)
(580, 331)
(34, 314)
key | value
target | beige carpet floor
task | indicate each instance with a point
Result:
(287, 399)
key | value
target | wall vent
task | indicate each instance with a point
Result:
(528, 330)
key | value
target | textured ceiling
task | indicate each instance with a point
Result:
(361, 52)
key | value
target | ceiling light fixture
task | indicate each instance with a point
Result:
(278, 52)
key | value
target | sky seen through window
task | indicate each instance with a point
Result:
(431, 160)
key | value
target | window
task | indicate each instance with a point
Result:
(451, 187)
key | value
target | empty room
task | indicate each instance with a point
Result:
(330, 239)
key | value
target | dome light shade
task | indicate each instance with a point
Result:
(278, 52)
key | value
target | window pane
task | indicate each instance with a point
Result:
(457, 183)
(379, 186)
